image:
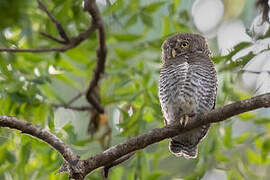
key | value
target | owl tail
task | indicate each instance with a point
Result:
(179, 149)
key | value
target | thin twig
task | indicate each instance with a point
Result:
(75, 98)
(59, 27)
(75, 108)
(254, 72)
(117, 162)
(53, 38)
(59, 49)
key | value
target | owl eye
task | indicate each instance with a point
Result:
(184, 44)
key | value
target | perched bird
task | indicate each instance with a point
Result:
(187, 88)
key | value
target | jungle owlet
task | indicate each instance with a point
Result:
(187, 88)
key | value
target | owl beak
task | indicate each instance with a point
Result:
(173, 53)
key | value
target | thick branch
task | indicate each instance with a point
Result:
(159, 134)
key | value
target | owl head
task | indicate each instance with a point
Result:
(184, 45)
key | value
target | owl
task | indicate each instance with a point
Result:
(187, 88)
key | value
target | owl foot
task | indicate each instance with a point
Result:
(184, 120)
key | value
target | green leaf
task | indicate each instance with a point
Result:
(176, 5)
(235, 50)
(10, 157)
(265, 149)
(155, 175)
(127, 37)
(25, 153)
(261, 120)
(70, 130)
(197, 174)
(33, 57)
(19, 97)
(115, 7)
(41, 80)
(165, 26)
(124, 53)
(64, 78)
(152, 7)
(239, 47)
(184, 15)
(221, 157)
(253, 157)
(227, 139)
(132, 20)
(51, 119)
(242, 138)
(146, 19)
(116, 173)
(234, 175)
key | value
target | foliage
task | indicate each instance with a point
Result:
(32, 82)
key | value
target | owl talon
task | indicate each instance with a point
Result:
(184, 120)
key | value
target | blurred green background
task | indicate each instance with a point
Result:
(30, 83)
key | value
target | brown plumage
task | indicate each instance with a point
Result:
(187, 87)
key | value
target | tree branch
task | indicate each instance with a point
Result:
(42, 134)
(117, 162)
(40, 50)
(72, 42)
(159, 134)
(69, 42)
(59, 27)
(263, 4)
(75, 98)
(254, 72)
(73, 164)
(91, 7)
(75, 108)
(93, 100)
(117, 154)
(53, 38)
